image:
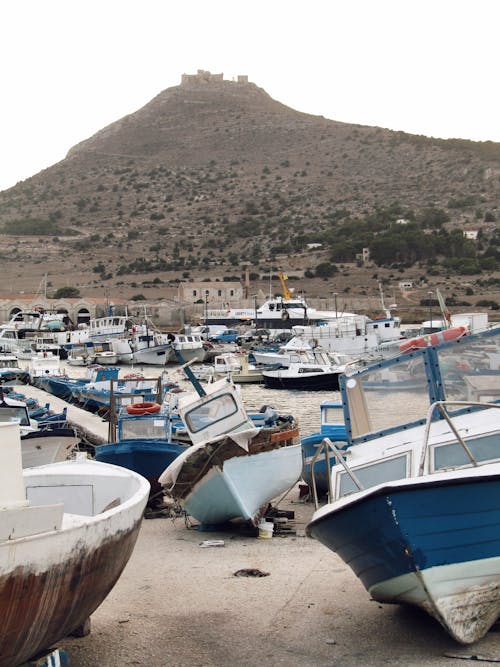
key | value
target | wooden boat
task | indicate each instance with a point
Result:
(233, 470)
(67, 531)
(415, 500)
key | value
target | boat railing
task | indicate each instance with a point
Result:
(324, 448)
(442, 408)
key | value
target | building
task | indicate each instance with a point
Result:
(210, 292)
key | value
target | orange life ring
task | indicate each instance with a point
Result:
(143, 408)
(436, 338)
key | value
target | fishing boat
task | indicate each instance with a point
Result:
(65, 387)
(10, 371)
(233, 365)
(233, 470)
(415, 499)
(43, 441)
(317, 463)
(144, 443)
(67, 531)
(307, 370)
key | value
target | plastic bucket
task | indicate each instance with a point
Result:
(265, 530)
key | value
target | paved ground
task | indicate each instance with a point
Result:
(178, 603)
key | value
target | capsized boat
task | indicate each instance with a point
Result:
(415, 503)
(67, 530)
(233, 470)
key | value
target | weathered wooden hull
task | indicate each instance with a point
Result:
(51, 582)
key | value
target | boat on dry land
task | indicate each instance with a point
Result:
(233, 470)
(67, 530)
(415, 498)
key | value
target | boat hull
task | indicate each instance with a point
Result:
(432, 543)
(47, 446)
(145, 457)
(51, 582)
(302, 381)
(244, 485)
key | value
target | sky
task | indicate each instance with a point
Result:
(71, 67)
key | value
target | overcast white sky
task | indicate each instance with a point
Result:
(71, 67)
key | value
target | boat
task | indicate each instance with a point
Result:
(307, 370)
(234, 365)
(414, 505)
(43, 366)
(66, 387)
(143, 443)
(41, 441)
(279, 312)
(111, 351)
(233, 469)
(281, 355)
(96, 396)
(150, 347)
(10, 371)
(67, 531)
(316, 462)
(190, 346)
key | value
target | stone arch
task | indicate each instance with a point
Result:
(83, 315)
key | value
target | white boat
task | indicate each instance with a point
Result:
(43, 365)
(190, 346)
(67, 530)
(230, 364)
(10, 371)
(415, 499)
(356, 336)
(311, 370)
(111, 351)
(17, 334)
(39, 445)
(233, 470)
(286, 353)
(150, 348)
(275, 313)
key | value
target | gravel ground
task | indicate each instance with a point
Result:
(178, 603)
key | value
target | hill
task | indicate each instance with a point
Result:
(211, 176)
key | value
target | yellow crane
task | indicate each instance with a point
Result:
(286, 292)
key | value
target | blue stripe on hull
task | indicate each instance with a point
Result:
(396, 531)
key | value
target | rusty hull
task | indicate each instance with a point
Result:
(38, 609)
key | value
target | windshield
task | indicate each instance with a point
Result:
(14, 413)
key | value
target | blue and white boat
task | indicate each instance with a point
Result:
(144, 443)
(415, 506)
(233, 469)
(64, 386)
(316, 461)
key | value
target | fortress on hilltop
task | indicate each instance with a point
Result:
(204, 77)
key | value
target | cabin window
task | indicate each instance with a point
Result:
(14, 413)
(373, 474)
(211, 412)
(454, 456)
(150, 427)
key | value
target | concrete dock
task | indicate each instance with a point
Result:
(92, 427)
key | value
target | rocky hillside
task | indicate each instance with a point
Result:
(211, 176)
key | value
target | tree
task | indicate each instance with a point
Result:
(67, 293)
